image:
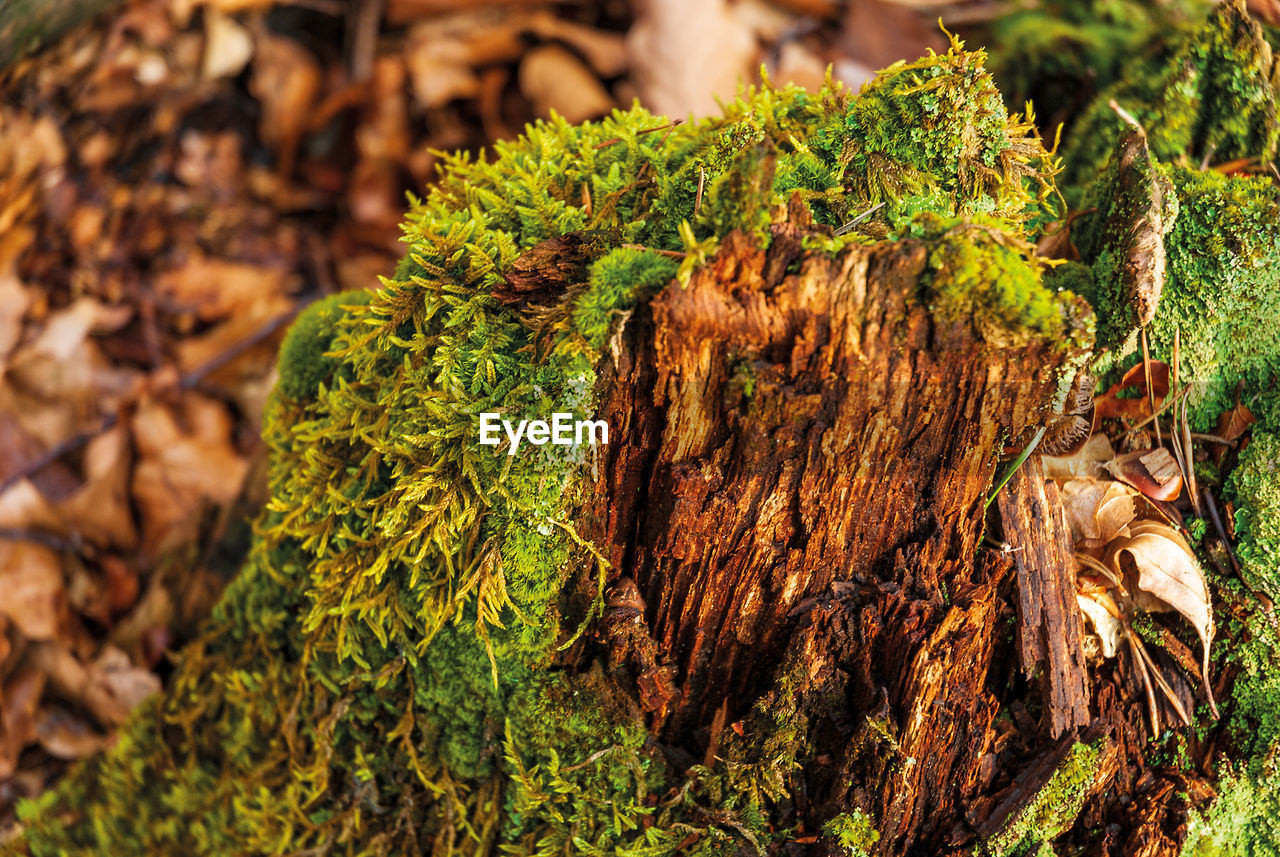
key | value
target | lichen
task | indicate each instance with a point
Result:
(384, 674)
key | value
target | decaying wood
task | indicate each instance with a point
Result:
(1049, 626)
(797, 470)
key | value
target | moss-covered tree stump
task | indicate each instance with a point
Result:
(762, 618)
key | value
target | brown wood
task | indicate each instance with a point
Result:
(1049, 626)
(799, 461)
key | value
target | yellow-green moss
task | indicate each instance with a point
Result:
(1053, 810)
(853, 831)
(383, 677)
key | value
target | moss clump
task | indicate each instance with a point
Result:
(1054, 808)
(386, 674)
(1255, 488)
(1211, 95)
(303, 361)
(1054, 51)
(853, 832)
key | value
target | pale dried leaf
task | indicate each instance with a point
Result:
(228, 45)
(686, 54)
(116, 686)
(1162, 573)
(65, 736)
(553, 79)
(1097, 511)
(32, 593)
(605, 52)
(1153, 472)
(1085, 463)
(1105, 624)
(18, 701)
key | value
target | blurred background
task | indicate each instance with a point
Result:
(179, 177)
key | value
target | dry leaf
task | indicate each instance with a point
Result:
(1097, 511)
(443, 54)
(116, 686)
(286, 81)
(1231, 425)
(1151, 471)
(1104, 619)
(18, 703)
(185, 460)
(100, 510)
(605, 52)
(1085, 463)
(686, 54)
(1162, 574)
(1135, 405)
(556, 80)
(65, 736)
(228, 46)
(32, 594)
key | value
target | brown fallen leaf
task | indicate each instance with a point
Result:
(1232, 425)
(99, 512)
(1097, 511)
(1103, 616)
(1135, 405)
(557, 81)
(18, 701)
(286, 81)
(1085, 463)
(1162, 574)
(32, 593)
(444, 53)
(605, 52)
(65, 736)
(186, 459)
(116, 686)
(1152, 471)
(685, 55)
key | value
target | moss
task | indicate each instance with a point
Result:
(1245, 819)
(1052, 52)
(1054, 808)
(386, 673)
(1211, 94)
(853, 831)
(303, 364)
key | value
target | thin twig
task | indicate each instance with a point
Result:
(40, 537)
(1222, 531)
(702, 180)
(1151, 393)
(674, 254)
(848, 227)
(669, 125)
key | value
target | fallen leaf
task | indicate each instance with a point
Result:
(1097, 511)
(99, 512)
(1162, 574)
(228, 45)
(286, 81)
(555, 80)
(605, 52)
(1104, 619)
(65, 736)
(116, 686)
(1085, 463)
(444, 53)
(32, 594)
(1231, 426)
(687, 56)
(1135, 405)
(1152, 471)
(18, 701)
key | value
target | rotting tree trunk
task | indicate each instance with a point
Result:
(798, 467)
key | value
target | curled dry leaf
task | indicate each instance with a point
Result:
(556, 80)
(1231, 426)
(1135, 405)
(65, 736)
(1162, 574)
(32, 594)
(1103, 616)
(1097, 512)
(1151, 471)
(1085, 463)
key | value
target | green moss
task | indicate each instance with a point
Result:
(1054, 808)
(853, 831)
(1210, 95)
(615, 284)
(1052, 51)
(303, 364)
(385, 674)
(1245, 819)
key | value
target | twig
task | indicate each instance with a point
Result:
(702, 180)
(363, 23)
(669, 125)
(1208, 156)
(1222, 531)
(848, 227)
(186, 382)
(1151, 393)
(674, 254)
(1164, 406)
(40, 537)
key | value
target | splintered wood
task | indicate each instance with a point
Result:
(1049, 627)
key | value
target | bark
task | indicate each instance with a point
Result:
(799, 463)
